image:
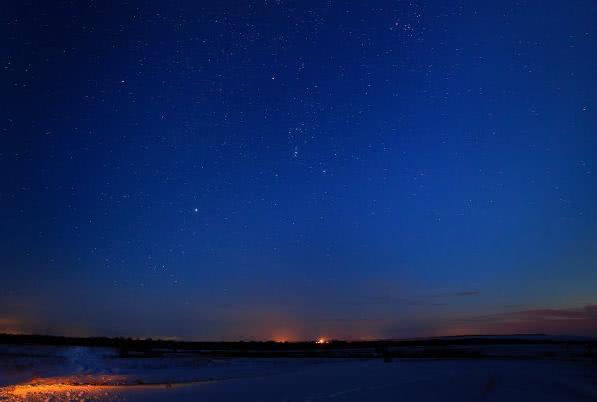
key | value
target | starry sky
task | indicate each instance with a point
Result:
(225, 170)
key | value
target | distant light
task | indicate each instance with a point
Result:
(321, 341)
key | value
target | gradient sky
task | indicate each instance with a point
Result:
(290, 169)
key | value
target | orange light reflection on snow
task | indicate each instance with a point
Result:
(69, 388)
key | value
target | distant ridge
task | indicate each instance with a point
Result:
(55, 340)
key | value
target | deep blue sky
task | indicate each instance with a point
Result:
(290, 169)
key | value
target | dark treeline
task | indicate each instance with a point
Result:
(263, 348)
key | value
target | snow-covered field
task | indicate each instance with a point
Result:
(80, 373)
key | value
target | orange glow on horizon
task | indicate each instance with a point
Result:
(322, 341)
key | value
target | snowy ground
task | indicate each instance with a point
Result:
(79, 373)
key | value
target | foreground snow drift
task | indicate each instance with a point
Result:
(77, 373)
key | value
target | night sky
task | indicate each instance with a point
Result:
(224, 170)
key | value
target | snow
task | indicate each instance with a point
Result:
(82, 373)
(374, 380)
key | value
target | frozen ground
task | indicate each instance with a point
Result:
(374, 380)
(79, 373)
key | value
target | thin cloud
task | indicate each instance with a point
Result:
(588, 312)
(429, 300)
(510, 306)
(570, 321)
(457, 294)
